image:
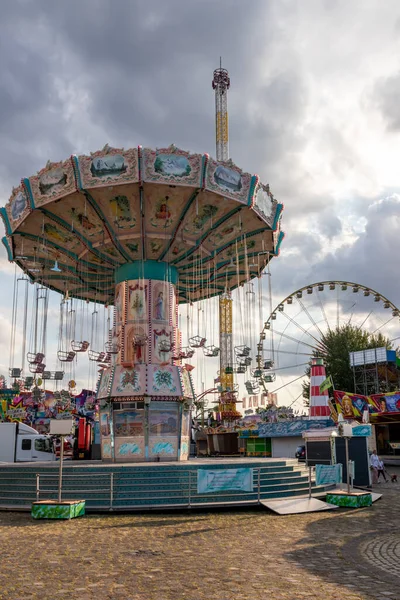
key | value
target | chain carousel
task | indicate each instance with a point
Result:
(136, 233)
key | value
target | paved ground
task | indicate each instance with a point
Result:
(232, 555)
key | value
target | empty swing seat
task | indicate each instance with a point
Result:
(79, 346)
(39, 368)
(197, 341)
(66, 356)
(35, 358)
(211, 351)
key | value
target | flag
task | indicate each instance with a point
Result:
(326, 384)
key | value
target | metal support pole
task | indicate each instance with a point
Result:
(37, 487)
(346, 442)
(60, 474)
(111, 490)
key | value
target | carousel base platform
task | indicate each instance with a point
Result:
(194, 484)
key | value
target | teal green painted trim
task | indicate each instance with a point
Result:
(107, 225)
(28, 189)
(147, 269)
(207, 233)
(62, 250)
(278, 212)
(6, 221)
(253, 183)
(7, 247)
(279, 242)
(87, 243)
(77, 173)
(225, 247)
(183, 213)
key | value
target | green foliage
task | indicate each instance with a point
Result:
(335, 346)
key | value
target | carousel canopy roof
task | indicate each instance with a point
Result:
(76, 222)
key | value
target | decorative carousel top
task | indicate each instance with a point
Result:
(76, 222)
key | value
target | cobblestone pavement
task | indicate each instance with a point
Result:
(226, 555)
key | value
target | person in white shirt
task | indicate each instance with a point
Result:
(378, 467)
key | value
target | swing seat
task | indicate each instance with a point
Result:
(242, 350)
(241, 369)
(35, 358)
(252, 387)
(112, 348)
(15, 373)
(269, 378)
(165, 346)
(65, 356)
(28, 382)
(79, 346)
(47, 375)
(197, 341)
(93, 355)
(268, 364)
(257, 373)
(140, 340)
(37, 368)
(58, 375)
(211, 351)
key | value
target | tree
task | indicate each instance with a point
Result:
(335, 346)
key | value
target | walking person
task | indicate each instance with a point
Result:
(378, 468)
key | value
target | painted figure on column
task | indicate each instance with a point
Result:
(159, 312)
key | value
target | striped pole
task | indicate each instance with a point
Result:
(319, 403)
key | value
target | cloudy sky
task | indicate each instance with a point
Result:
(314, 110)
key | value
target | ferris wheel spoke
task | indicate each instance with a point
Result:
(300, 327)
(383, 325)
(365, 320)
(288, 383)
(306, 311)
(295, 353)
(296, 340)
(291, 367)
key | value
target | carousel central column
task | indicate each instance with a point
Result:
(145, 395)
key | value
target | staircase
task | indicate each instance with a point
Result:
(148, 485)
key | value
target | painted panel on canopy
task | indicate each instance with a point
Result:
(109, 166)
(164, 206)
(228, 179)
(77, 213)
(18, 207)
(252, 244)
(132, 245)
(120, 206)
(228, 231)
(265, 204)
(155, 246)
(47, 230)
(204, 212)
(53, 182)
(172, 166)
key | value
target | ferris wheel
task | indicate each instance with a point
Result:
(296, 328)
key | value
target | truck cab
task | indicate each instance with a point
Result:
(22, 443)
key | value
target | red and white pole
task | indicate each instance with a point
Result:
(319, 407)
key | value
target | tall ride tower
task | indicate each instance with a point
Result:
(221, 84)
(227, 407)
